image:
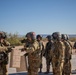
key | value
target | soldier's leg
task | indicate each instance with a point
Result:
(41, 67)
(29, 71)
(48, 65)
(57, 69)
(1, 71)
(70, 66)
(53, 68)
(62, 67)
(67, 68)
(34, 70)
(5, 72)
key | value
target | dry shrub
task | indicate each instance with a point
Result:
(72, 39)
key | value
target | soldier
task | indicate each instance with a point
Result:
(57, 53)
(47, 53)
(69, 44)
(3, 54)
(68, 52)
(32, 48)
(39, 38)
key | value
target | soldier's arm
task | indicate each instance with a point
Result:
(3, 49)
(62, 50)
(68, 48)
(42, 46)
(43, 51)
(34, 48)
(46, 48)
(6, 43)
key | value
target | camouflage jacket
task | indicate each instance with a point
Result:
(4, 52)
(68, 50)
(57, 51)
(32, 48)
(41, 48)
(48, 49)
(3, 46)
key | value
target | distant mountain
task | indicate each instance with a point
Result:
(45, 35)
(70, 35)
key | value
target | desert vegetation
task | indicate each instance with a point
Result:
(14, 39)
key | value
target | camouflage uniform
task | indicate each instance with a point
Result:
(57, 57)
(67, 62)
(3, 54)
(39, 38)
(48, 55)
(57, 54)
(33, 58)
(3, 64)
(41, 54)
(32, 48)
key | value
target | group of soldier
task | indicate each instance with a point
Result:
(57, 51)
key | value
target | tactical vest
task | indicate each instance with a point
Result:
(3, 57)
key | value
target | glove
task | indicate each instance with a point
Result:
(9, 49)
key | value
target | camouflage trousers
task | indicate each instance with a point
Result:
(3, 69)
(33, 66)
(57, 68)
(67, 68)
(40, 65)
(48, 61)
(32, 70)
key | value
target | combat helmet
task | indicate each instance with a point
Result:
(67, 36)
(3, 35)
(31, 34)
(56, 36)
(64, 37)
(38, 36)
(49, 37)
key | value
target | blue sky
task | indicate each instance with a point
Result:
(40, 16)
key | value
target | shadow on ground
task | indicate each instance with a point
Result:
(26, 73)
(74, 72)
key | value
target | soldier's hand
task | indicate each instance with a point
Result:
(23, 49)
(9, 49)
